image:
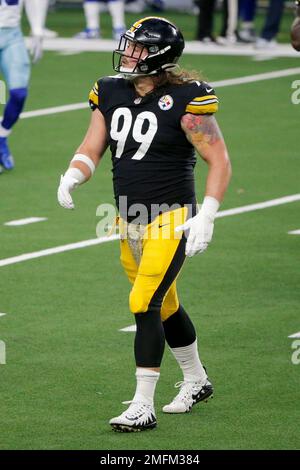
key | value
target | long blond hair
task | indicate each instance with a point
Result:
(177, 76)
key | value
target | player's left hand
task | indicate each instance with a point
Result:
(200, 227)
(36, 48)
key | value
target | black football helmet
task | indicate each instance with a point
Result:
(162, 40)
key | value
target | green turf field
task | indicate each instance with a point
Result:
(68, 367)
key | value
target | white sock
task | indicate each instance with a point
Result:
(145, 387)
(189, 362)
(247, 25)
(92, 14)
(36, 14)
(116, 10)
(4, 132)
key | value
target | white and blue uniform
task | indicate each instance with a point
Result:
(15, 63)
(14, 59)
(10, 13)
(92, 9)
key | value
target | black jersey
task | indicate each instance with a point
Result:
(153, 161)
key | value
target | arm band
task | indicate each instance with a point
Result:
(79, 157)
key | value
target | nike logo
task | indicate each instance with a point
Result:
(208, 90)
(163, 225)
(135, 417)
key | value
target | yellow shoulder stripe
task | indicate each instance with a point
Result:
(204, 109)
(96, 88)
(207, 104)
(203, 98)
(93, 96)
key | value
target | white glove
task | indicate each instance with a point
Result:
(200, 227)
(36, 48)
(68, 182)
(36, 11)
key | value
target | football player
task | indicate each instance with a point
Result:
(295, 31)
(274, 15)
(15, 64)
(205, 21)
(153, 116)
(92, 10)
(247, 12)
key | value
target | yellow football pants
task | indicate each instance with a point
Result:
(152, 256)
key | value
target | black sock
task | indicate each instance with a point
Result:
(149, 341)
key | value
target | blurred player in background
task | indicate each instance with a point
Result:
(137, 6)
(274, 14)
(92, 9)
(230, 20)
(247, 12)
(295, 31)
(15, 63)
(205, 20)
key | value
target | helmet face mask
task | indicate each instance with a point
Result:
(128, 58)
(149, 47)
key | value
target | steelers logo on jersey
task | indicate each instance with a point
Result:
(166, 102)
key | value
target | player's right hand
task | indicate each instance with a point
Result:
(36, 48)
(67, 184)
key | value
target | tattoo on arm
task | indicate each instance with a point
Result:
(201, 130)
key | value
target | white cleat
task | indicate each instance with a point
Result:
(117, 33)
(88, 33)
(264, 44)
(138, 417)
(49, 34)
(190, 394)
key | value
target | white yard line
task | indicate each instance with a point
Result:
(72, 52)
(98, 241)
(54, 110)
(218, 84)
(294, 232)
(131, 328)
(56, 249)
(191, 47)
(2, 314)
(28, 220)
(260, 205)
(257, 78)
(295, 335)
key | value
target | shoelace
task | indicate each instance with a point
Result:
(136, 408)
(185, 390)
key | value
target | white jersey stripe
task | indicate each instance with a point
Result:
(10, 15)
